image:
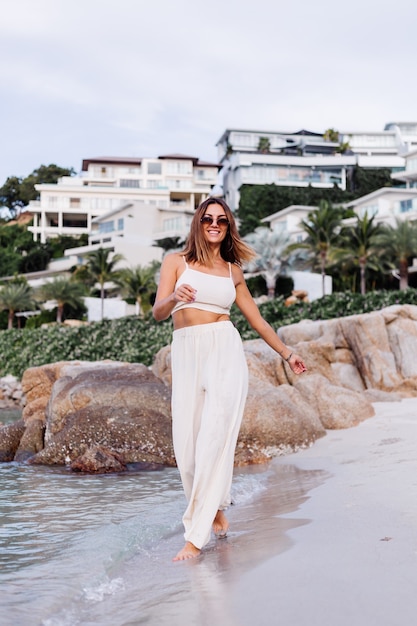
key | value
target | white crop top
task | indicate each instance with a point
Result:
(214, 293)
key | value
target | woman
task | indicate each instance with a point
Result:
(209, 372)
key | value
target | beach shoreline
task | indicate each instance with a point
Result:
(332, 540)
(355, 561)
(324, 536)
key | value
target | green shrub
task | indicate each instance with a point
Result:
(137, 340)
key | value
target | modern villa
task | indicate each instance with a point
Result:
(125, 204)
(304, 158)
(128, 205)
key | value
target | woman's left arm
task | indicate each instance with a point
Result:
(248, 307)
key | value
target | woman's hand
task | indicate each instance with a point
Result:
(297, 364)
(185, 293)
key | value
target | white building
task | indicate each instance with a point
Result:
(128, 200)
(387, 204)
(397, 138)
(304, 158)
(408, 175)
(288, 221)
(132, 231)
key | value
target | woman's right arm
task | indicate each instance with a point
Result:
(166, 296)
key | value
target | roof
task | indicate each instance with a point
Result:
(109, 159)
(267, 132)
(104, 160)
(380, 192)
(293, 208)
(185, 157)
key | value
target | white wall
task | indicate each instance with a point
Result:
(113, 309)
(307, 281)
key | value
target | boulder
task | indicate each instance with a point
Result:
(10, 436)
(123, 407)
(104, 416)
(98, 460)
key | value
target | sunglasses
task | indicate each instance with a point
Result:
(221, 221)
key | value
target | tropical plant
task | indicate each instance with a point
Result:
(169, 243)
(14, 297)
(359, 246)
(272, 259)
(331, 135)
(323, 233)
(19, 252)
(17, 192)
(101, 268)
(264, 145)
(64, 291)
(138, 283)
(400, 244)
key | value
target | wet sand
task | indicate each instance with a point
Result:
(354, 559)
(332, 541)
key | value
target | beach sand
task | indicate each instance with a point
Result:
(354, 560)
(332, 541)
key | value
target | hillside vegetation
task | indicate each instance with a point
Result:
(137, 340)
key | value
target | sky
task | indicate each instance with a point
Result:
(143, 78)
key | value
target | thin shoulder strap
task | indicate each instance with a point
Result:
(186, 264)
(230, 269)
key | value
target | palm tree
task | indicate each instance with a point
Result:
(359, 244)
(15, 297)
(272, 258)
(101, 268)
(264, 145)
(331, 135)
(139, 283)
(400, 242)
(323, 231)
(64, 291)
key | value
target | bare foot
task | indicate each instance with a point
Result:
(189, 551)
(220, 525)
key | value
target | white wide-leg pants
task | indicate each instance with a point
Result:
(209, 388)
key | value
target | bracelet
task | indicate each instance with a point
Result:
(289, 356)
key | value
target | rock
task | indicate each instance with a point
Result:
(10, 436)
(32, 440)
(103, 416)
(98, 460)
(276, 419)
(337, 407)
(123, 407)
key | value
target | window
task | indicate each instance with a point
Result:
(120, 223)
(243, 140)
(72, 221)
(406, 205)
(173, 223)
(411, 165)
(75, 203)
(154, 168)
(178, 184)
(179, 167)
(129, 182)
(106, 227)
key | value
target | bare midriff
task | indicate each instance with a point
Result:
(193, 317)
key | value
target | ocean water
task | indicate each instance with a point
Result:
(84, 549)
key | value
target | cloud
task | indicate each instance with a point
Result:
(80, 79)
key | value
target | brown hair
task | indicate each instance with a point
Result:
(232, 249)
